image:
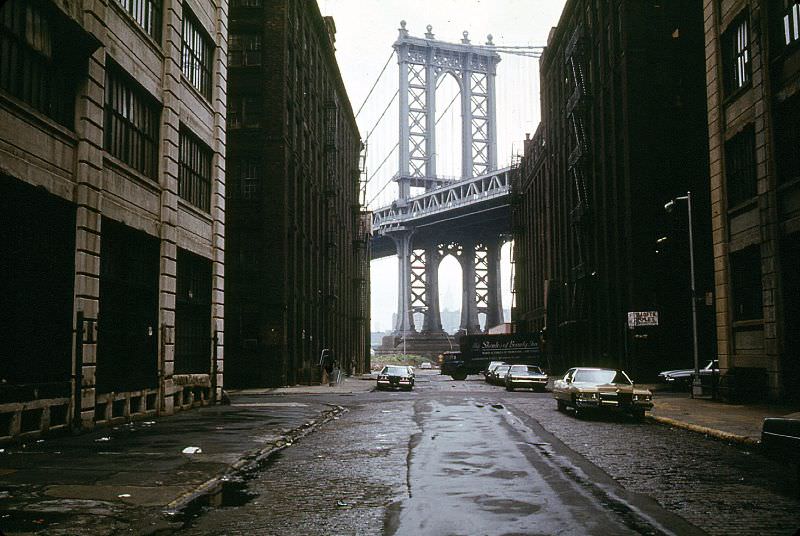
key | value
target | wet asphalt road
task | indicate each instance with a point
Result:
(466, 458)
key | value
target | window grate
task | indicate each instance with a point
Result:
(147, 13)
(131, 123)
(194, 173)
(196, 55)
(244, 50)
(740, 164)
(736, 56)
(30, 67)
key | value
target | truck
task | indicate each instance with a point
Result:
(477, 351)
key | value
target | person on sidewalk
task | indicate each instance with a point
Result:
(326, 361)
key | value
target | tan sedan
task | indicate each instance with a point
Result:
(584, 388)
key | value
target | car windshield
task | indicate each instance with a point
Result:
(395, 371)
(525, 370)
(601, 376)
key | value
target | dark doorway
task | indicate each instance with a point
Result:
(37, 275)
(127, 345)
(790, 359)
(193, 315)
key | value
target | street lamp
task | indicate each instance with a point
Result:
(697, 388)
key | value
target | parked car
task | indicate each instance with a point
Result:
(498, 375)
(395, 376)
(490, 369)
(684, 376)
(425, 365)
(584, 388)
(525, 377)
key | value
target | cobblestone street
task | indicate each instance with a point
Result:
(365, 487)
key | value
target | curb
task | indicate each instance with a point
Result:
(250, 460)
(718, 434)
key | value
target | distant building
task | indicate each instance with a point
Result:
(112, 159)
(623, 131)
(753, 61)
(296, 248)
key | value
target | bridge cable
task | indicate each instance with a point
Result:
(391, 55)
(370, 132)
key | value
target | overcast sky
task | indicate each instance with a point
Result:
(366, 30)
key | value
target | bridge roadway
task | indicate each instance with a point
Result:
(475, 205)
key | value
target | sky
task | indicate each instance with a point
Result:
(365, 31)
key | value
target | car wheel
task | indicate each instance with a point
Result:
(562, 406)
(638, 413)
(509, 387)
(460, 376)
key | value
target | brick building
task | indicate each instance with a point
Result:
(623, 132)
(297, 258)
(753, 73)
(112, 149)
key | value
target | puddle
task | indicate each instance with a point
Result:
(229, 493)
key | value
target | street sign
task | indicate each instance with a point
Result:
(642, 318)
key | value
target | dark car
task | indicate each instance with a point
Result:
(684, 376)
(490, 369)
(525, 377)
(396, 377)
(584, 388)
(498, 375)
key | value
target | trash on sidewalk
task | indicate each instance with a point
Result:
(124, 495)
(192, 450)
(105, 438)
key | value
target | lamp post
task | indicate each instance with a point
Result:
(697, 388)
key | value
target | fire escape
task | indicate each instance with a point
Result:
(574, 59)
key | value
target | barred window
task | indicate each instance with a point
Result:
(791, 22)
(194, 172)
(244, 50)
(32, 66)
(740, 167)
(147, 13)
(244, 112)
(131, 123)
(197, 54)
(192, 314)
(246, 3)
(246, 178)
(787, 139)
(736, 56)
(746, 284)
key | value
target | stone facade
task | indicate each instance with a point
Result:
(753, 78)
(297, 243)
(115, 179)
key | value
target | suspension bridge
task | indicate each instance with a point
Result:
(432, 214)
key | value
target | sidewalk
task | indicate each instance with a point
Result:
(731, 422)
(123, 478)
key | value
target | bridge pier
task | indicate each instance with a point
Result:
(418, 292)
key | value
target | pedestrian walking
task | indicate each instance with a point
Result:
(326, 362)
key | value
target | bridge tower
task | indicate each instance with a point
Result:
(422, 62)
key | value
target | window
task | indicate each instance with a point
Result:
(194, 172)
(244, 112)
(244, 50)
(791, 21)
(246, 3)
(787, 139)
(131, 123)
(736, 55)
(192, 314)
(197, 55)
(740, 167)
(147, 13)
(746, 284)
(246, 179)
(32, 66)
